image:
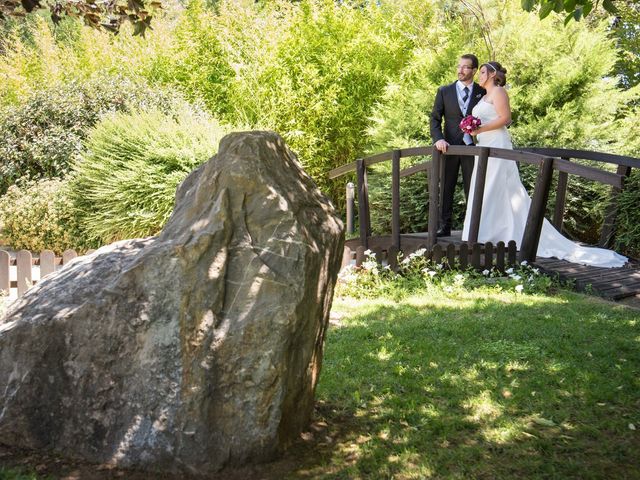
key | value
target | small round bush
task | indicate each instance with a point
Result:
(37, 215)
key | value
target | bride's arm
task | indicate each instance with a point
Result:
(501, 104)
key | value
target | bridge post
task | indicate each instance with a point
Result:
(363, 202)
(350, 205)
(607, 234)
(395, 199)
(561, 198)
(478, 195)
(434, 197)
(533, 228)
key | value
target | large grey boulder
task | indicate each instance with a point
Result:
(189, 351)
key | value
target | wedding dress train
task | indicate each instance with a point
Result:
(505, 206)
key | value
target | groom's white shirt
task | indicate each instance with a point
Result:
(467, 139)
(460, 91)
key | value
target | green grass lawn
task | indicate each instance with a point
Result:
(480, 384)
(477, 383)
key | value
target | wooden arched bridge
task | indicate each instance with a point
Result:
(614, 283)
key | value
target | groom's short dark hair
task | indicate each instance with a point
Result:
(472, 57)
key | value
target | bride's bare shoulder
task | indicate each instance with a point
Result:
(503, 92)
(500, 95)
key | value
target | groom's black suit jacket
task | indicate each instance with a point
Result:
(446, 105)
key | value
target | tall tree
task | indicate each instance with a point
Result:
(575, 9)
(626, 29)
(107, 15)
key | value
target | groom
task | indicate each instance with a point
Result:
(454, 102)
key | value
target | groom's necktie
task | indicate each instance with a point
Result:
(466, 137)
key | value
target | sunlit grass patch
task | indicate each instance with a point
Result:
(489, 384)
(483, 408)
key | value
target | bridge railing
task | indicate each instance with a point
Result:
(542, 158)
(624, 165)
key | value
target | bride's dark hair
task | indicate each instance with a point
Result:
(500, 72)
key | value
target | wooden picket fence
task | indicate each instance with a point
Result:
(479, 256)
(24, 263)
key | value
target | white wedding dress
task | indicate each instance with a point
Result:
(505, 206)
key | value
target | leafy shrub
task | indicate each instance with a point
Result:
(38, 216)
(43, 136)
(124, 186)
(414, 196)
(584, 204)
(628, 220)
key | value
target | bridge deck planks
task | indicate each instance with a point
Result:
(611, 283)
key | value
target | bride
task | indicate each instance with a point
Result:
(505, 205)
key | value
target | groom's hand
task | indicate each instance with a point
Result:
(442, 145)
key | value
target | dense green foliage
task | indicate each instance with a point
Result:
(312, 72)
(627, 34)
(340, 80)
(414, 205)
(196, 61)
(42, 136)
(125, 184)
(36, 56)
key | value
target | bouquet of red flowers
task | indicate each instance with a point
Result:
(470, 123)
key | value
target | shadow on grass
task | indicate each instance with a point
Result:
(541, 389)
(488, 388)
